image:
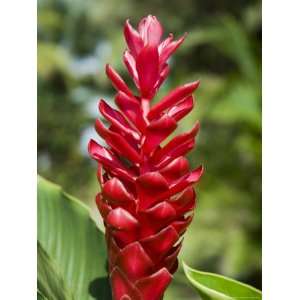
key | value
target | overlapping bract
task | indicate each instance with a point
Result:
(147, 199)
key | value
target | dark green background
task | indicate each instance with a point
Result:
(223, 50)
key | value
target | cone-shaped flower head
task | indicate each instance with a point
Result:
(147, 199)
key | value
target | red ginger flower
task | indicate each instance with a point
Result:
(147, 199)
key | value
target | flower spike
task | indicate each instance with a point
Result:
(147, 197)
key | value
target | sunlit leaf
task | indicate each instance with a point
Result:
(216, 287)
(40, 296)
(72, 240)
(50, 282)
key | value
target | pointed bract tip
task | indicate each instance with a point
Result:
(91, 147)
(101, 104)
(182, 39)
(91, 143)
(195, 83)
(127, 22)
(198, 172)
(196, 126)
(107, 68)
(127, 28)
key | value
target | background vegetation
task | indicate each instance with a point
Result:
(75, 40)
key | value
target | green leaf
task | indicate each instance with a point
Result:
(72, 240)
(50, 283)
(40, 296)
(216, 287)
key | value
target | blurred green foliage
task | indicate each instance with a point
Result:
(223, 49)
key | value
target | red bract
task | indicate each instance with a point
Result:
(147, 199)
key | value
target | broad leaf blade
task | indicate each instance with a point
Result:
(40, 296)
(72, 240)
(216, 287)
(50, 283)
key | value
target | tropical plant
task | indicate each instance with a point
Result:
(147, 199)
